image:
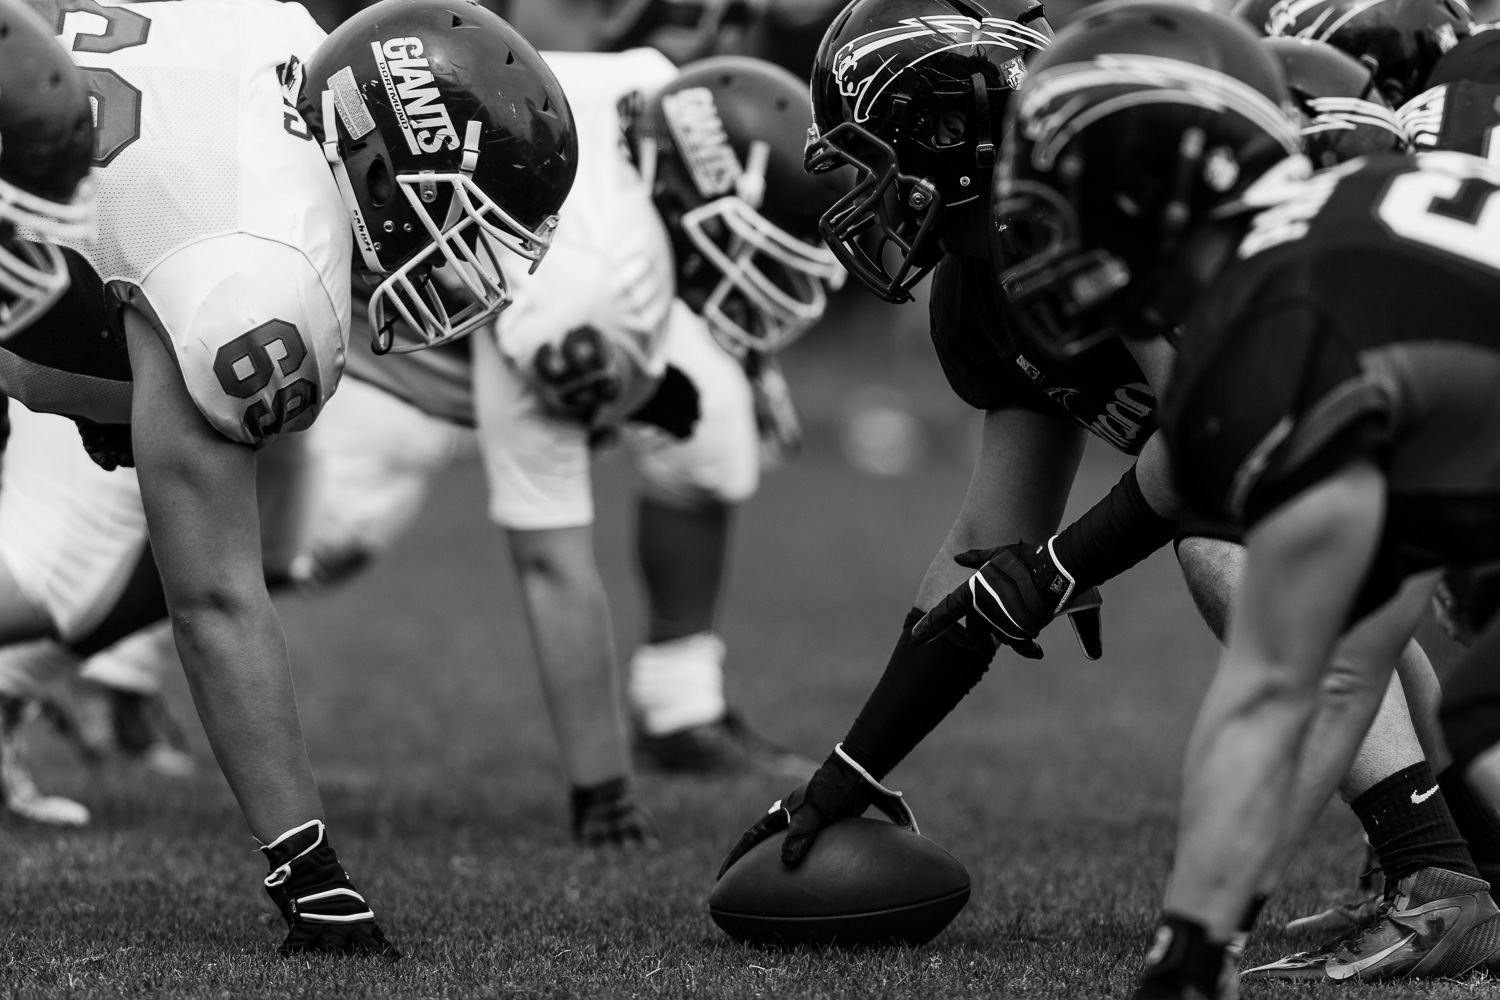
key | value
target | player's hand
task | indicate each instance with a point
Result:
(579, 377)
(1017, 590)
(324, 912)
(607, 815)
(107, 444)
(840, 789)
(674, 407)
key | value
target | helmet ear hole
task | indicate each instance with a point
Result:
(378, 182)
(950, 128)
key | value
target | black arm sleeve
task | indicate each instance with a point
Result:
(920, 686)
(1113, 535)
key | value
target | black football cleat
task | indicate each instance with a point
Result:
(607, 815)
(325, 914)
(1433, 922)
(725, 746)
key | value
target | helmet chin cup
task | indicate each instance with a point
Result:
(1053, 288)
(875, 203)
(780, 311)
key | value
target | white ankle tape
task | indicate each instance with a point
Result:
(678, 684)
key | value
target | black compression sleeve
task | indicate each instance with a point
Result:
(1113, 535)
(920, 686)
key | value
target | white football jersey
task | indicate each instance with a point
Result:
(217, 215)
(610, 265)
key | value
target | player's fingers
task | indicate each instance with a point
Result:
(766, 826)
(944, 615)
(804, 830)
(974, 558)
(1029, 648)
(1090, 632)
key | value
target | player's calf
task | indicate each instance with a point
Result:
(323, 910)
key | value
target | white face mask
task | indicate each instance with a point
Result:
(467, 247)
(33, 271)
(781, 308)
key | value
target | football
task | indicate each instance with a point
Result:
(865, 882)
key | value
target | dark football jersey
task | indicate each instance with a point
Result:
(991, 368)
(1358, 320)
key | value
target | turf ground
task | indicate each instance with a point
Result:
(1055, 783)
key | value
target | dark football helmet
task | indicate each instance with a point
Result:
(1142, 119)
(912, 93)
(1399, 40)
(451, 142)
(46, 146)
(1345, 116)
(722, 148)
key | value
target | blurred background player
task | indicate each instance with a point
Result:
(187, 344)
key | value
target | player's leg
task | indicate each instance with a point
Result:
(538, 470)
(198, 490)
(691, 488)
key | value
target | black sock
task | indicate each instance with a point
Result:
(1113, 535)
(920, 686)
(1410, 826)
(1182, 953)
(1476, 820)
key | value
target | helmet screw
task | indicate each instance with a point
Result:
(406, 228)
(922, 195)
(390, 226)
(963, 182)
(377, 247)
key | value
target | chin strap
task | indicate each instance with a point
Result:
(984, 144)
(362, 236)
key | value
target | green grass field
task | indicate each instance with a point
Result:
(1055, 783)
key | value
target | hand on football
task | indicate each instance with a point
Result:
(1015, 592)
(577, 378)
(840, 789)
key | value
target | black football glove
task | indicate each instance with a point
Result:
(839, 789)
(606, 815)
(578, 377)
(107, 444)
(324, 912)
(673, 407)
(1017, 590)
(1466, 600)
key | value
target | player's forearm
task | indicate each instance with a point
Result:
(234, 656)
(568, 614)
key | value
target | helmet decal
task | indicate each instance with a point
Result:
(699, 134)
(416, 101)
(353, 111)
(1155, 80)
(863, 80)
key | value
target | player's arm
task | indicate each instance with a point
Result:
(199, 492)
(1020, 485)
(1305, 564)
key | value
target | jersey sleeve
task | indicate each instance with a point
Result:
(253, 328)
(1269, 409)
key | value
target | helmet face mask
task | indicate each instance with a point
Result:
(46, 148)
(873, 220)
(453, 146)
(910, 94)
(1144, 124)
(766, 276)
(721, 147)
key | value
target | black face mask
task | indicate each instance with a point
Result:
(886, 213)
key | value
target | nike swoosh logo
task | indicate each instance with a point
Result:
(1355, 968)
(1417, 798)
